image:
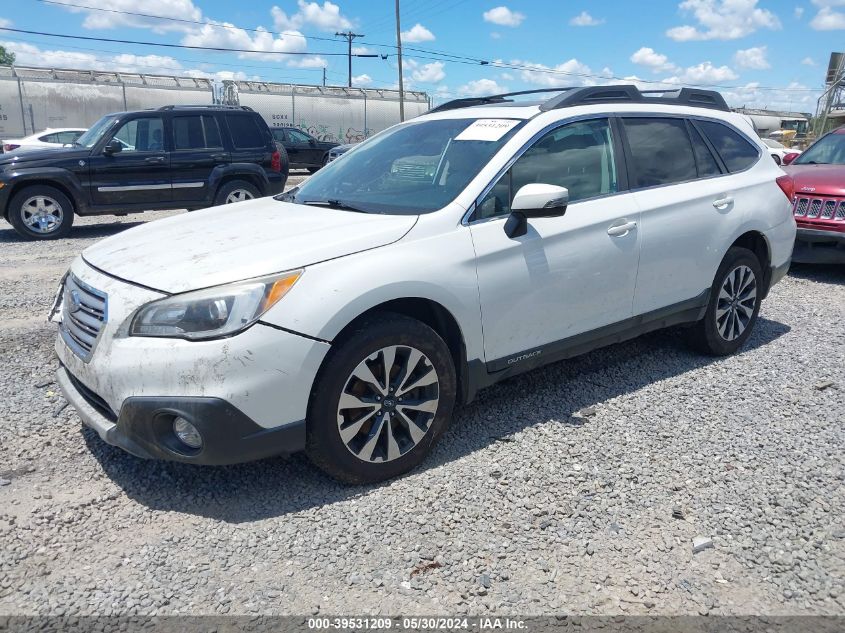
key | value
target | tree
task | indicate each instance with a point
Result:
(6, 58)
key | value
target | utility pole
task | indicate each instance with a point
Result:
(349, 37)
(399, 57)
(324, 76)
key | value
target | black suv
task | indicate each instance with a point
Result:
(174, 157)
(304, 150)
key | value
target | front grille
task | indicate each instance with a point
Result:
(84, 312)
(819, 208)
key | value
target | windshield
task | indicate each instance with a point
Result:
(415, 168)
(828, 150)
(90, 138)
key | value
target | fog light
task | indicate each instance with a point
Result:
(187, 433)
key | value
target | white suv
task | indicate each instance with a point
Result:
(486, 238)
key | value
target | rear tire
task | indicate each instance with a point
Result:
(235, 191)
(735, 298)
(40, 212)
(395, 427)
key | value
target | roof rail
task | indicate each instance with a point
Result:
(219, 106)
(591, 95)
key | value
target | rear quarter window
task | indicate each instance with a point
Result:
(246, 133)
(736, 151)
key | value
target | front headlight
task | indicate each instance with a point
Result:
(213, 312)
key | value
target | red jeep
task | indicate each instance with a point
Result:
(819, 178)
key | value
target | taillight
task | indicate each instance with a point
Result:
(787, 185)
(9, 147)
(276, 161)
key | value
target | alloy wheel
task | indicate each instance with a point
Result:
(736, 303)
(238, 195)
(42, 214)
(388, 403)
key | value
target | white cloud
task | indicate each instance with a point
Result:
(703, 74)
(495, 35)
(418, 33)
(179, 9)
(827, 19)
(723, 20)
(4, 22)
(315, 61)
(361, 80)
(429, 73)
(262, 42)
(585, 19)
(795, 97)
(361, 50)
(648, 57)
(503, 17)
(808, 61)
(753, 58)
(480, 88)
(798, 13)
(326, 17)
(507, 76)
(571, 72)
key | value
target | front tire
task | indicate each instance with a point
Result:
(735, 298)
(41, 212)
(382, 399)
(235, 191)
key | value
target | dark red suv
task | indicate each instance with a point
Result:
(819, 177)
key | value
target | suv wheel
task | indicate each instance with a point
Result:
(323, 163)
(235, 191)
(41, 212)
(383, 398)
(735, 299)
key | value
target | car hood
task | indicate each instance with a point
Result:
(823, 180)
(38, 157)
(239, 241)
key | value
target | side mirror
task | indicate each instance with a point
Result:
(787, 160)
(113, 147)
(536, 200)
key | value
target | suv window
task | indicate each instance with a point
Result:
(245, 131)
(736, 152)
(661, 151)
(578, 156)
(195, 132)
(704, 159)
(141, 135)
(298, 137)
(49, 138)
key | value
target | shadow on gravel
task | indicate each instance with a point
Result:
(823, 273)
(275, 487)
(83, 231)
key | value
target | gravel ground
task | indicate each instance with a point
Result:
(637, 479)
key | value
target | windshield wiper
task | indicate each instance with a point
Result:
(334, 204)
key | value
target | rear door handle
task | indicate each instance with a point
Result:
(723, 203)
(218, 157)
(621, 230)
(154, 160)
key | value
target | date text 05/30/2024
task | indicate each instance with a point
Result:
(417, 623)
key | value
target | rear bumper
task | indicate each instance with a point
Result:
(144, 427)
(818, 246)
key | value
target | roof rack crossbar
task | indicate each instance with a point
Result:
(219, 106)
(466, 102)
(627, 93)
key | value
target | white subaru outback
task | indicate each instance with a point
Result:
(488, 237)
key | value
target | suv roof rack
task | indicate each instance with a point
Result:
(590, 95)
(218, 106)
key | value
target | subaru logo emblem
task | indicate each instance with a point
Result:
(74, 301)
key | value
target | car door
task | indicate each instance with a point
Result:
(567, 275)
(140, 172)
(197, 150)
(687, 210)
(304, 148)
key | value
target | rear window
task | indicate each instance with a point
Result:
(736, 151)
(661, 151)
(246, 134)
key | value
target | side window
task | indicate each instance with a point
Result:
(245, 131)
(736, 151)
(195, 132)
(661, 152)
(67, 137)
(279, 135)
(298, 137)
(707, 165)
(49, 138)
(578, 156)
(141, 135)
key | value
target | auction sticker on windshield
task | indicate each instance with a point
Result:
(486, 130)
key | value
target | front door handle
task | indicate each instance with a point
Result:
(621, 230)
(154, 160)
(723, 203)
(218, 157)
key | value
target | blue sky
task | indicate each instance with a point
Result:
(745, 47)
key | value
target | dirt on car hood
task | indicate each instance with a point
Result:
(239, 241)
